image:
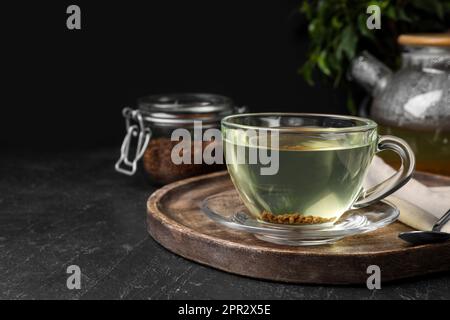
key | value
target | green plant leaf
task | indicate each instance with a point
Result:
(348, 43)
(306, 9)
(322, 63)
(390, 12)
(335, 23)
(403, 16)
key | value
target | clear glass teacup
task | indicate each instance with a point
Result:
(307, 169)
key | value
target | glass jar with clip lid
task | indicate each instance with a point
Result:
(150, 128)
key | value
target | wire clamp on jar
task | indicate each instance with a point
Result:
(135, 128)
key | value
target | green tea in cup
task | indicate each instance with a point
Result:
(317, 164)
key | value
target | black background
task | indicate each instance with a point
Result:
(65, 88)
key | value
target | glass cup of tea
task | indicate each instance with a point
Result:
(307, 169)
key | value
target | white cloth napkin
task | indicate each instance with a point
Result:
(420, 206)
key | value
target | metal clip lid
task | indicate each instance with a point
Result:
(134, 128)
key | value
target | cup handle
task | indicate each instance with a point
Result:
(395, 182)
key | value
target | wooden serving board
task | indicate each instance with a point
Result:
(176, 222)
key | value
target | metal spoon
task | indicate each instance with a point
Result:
(423, 237)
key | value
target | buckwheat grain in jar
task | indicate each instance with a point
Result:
(170, 133)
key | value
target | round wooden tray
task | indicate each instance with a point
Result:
(176, 222)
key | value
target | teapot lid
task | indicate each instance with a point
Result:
(425, 39)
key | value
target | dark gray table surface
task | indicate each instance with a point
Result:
(71, 208)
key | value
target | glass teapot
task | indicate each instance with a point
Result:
(414, 102)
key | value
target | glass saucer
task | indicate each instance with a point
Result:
(227, 209)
